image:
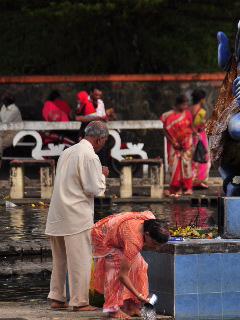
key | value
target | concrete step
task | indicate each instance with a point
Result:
(39, 311)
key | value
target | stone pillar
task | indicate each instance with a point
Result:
(126, 182)
(156, 181)
(46, 180)
(17, 182)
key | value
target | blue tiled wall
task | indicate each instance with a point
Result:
(196, 286)
(204, 285)
(230, 211)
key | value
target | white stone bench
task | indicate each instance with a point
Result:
(156, 177)
(47, 174)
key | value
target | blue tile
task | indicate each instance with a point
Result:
(160, 271)
(231, 217)
(231, 304)
(230, 272)
(210, 306)
(209, 273)
(186, 274)
(186, 306)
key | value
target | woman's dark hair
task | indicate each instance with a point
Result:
(182, 98)
(53, 95)
(156, 230)
(7, 99)
(198, 95)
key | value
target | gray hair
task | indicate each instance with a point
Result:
(96, 129)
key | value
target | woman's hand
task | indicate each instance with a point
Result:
(142, 299)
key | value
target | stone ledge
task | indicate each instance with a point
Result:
(198, 246)
(25, 248)
(25, 267)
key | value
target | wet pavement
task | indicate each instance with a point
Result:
(41, 311)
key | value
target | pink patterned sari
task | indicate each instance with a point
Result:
(200, 170)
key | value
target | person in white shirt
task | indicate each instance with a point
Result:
(9, 113)
(79, 178)
(96, 99)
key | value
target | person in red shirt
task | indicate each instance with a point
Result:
(85, 112)
(85, 107)
(56, 109)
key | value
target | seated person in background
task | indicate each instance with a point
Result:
(9, 113)
(96, 99)
(85, 111)
(56, 109)
(85, 108)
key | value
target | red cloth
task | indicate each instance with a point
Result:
(86, 106)
(63, 106)
(51, 112)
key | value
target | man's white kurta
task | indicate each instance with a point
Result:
(78, 179)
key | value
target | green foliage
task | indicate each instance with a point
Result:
(112, 36)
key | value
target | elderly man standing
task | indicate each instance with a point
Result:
(79, 178)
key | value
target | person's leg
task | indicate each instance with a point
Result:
(188, 184)
(58, 277)
(139, 278)
(187, 172)
(113, 288)
(79, 260)
(175, 183)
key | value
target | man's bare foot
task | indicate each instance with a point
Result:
(58, 305)
(85, 308)
(118, 315)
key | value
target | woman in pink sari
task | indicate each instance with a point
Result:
(200, 170)
(120, 270)
(177, 126)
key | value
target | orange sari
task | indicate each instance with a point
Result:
(114, 238)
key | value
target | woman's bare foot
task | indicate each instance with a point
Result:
(135, 312)
(203, 185)
(166, 193)
(178, 194)
(118, 315)
(58, 304)
(175, 195)
(189, 192)
(131, 308)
